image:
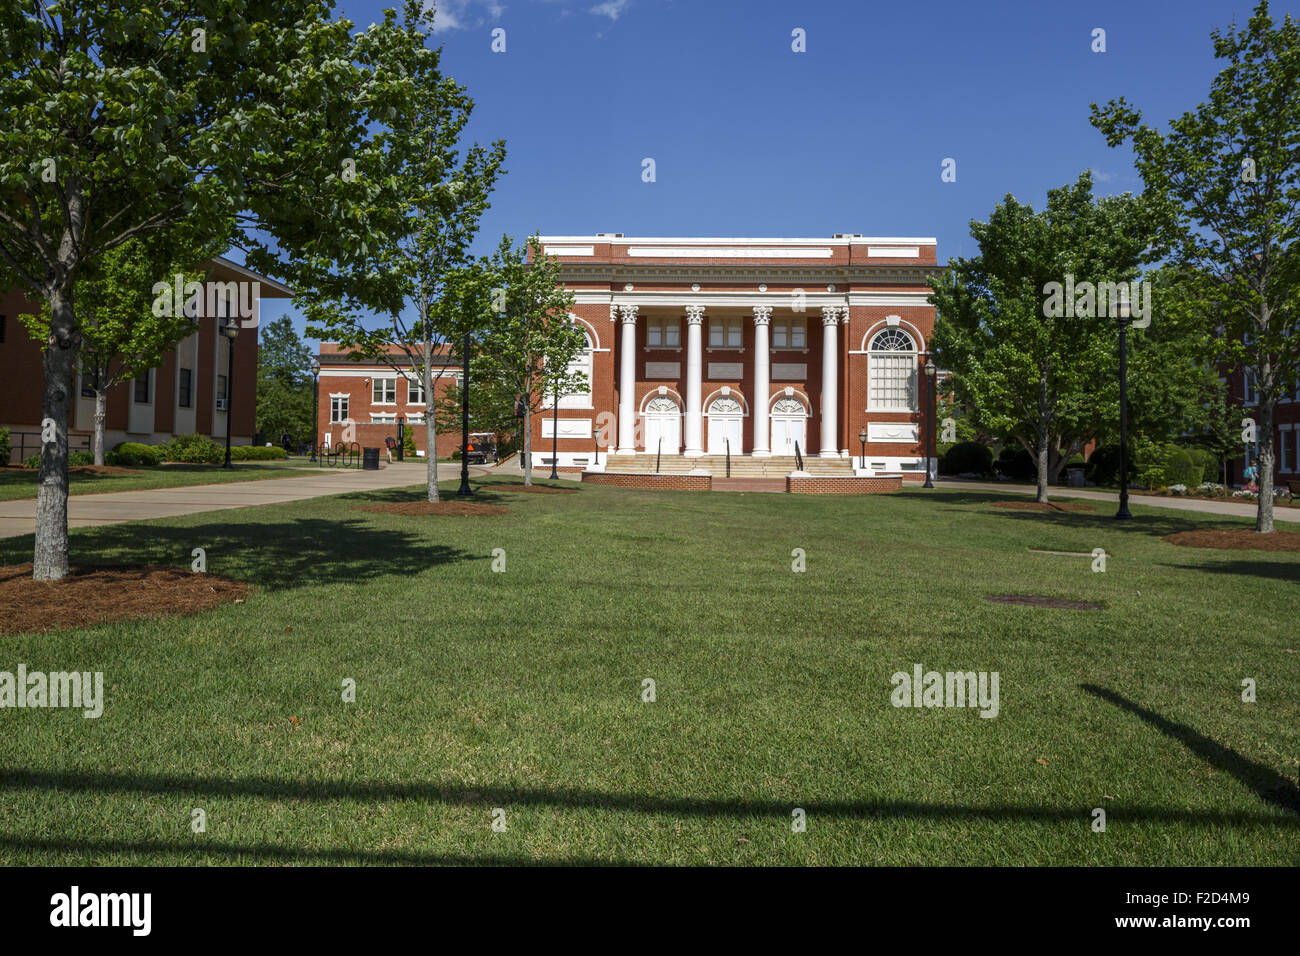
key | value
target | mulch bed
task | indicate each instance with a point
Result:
(1039, 600)
(1237, 539)
(435, 508)
(103, 470)
(1043, 506)
(96, 595)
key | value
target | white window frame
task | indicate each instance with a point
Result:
(730, 332)
(663, 334)
(892, 366)
(388, 382)
(785, 331)
(339, 402)
(414, 387)
(584, 363)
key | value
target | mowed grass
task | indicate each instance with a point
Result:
(16, 483)
(522, 690)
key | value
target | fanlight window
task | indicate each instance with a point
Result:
(891, 375)
(725, 406)
(662, 406)
(788, 406)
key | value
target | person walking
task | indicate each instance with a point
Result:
(389, 445)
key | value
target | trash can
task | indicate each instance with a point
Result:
(370, 459)
(1074, 477)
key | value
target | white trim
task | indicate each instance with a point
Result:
(697, 240)
(917, 338)
(891, 299)
(726, 252)
(893, 252)
(568, 250)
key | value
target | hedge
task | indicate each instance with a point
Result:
(132, 454)
(255, 453)
(193, 450)
(967, 457)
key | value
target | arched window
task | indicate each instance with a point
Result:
(581, 365)
(891, 374)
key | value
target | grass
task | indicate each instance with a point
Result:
(522, 690)
(16, 483)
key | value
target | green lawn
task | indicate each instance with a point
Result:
(522, 690)
(21, 482)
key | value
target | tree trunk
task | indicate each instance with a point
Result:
(528, 443)
(101, 414)
(1264, 510)
(431, 444)
(58, 361)
(1041, 460)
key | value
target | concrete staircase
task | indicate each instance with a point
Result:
(742, 466)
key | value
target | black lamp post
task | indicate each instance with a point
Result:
(464, 491)
(315, 404)
(1124, 318)
(862, 439)
(231, 331)
(401, 437)
(931, 377)
(555, 432)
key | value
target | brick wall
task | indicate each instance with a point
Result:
(658, 482)
(842, 486)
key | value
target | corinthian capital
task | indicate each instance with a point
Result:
(831, 314)
(762, 314)
(694, 314)
(629, 314)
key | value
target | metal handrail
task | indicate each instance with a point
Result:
(659, 454)
(798, 458)
(728, 443)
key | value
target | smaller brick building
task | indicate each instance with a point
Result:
(1286, 430)
(362, 401)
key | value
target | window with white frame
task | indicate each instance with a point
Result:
(663, 333)
(414, 391)
(789, 334)
(1250, 387)
(725, 333)
(338, 408)
(1284, 459)
(891, 371)
(383, 418)
(580, 366)
(383, 390)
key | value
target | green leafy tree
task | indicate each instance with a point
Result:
(162, 117)
(284, 382)
(1227, 177)
(432, 292)
(1025, 375)
(533, 342)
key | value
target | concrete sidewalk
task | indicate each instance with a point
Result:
(116, 507)
(1235, 509)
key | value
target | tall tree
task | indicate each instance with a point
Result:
(145, 117)
(1227, 175)
(433, 292)
(533, 342)
(284, 382)
(1020, 329)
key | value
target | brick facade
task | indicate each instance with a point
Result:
(657, 482)
(842, 486)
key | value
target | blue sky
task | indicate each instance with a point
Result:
(750, 138)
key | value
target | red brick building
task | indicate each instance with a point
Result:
(700, 347)
(361, 401)
(1286, 430)
(187, 393)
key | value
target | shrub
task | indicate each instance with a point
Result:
(6, 447)
(194, 450)
(255, 453)
(77, 458)
(33, 462)
(408, 442)
(1103, 465)
(1017, 464)
(1208, 461)
(132, 454)
(967, 457)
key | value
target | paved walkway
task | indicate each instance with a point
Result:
(1235, 509)
(116, 507)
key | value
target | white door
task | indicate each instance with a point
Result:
(666, 427)
(787, 431)
(724, 428)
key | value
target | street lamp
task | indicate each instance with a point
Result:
(315, 403)
(931, 374)
(231, 331)
(1123, 319)
(862, 439)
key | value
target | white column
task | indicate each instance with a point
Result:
(694, 381)
(627, 383)
(830, 380)
(762, 447)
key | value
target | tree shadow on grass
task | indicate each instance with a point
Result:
(573, 798)
(269, 555)
(1266, 783)
(1281, 570)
